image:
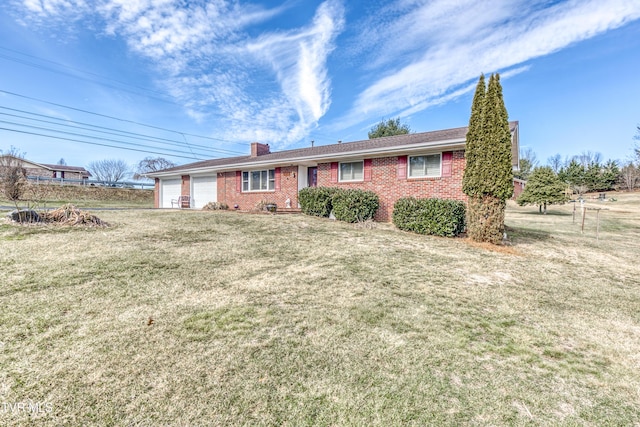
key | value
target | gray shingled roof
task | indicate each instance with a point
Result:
(65, 168)
(52, 167)
(423, 138)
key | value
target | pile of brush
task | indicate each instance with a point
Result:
(70, 215)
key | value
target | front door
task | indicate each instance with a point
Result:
(312, 176)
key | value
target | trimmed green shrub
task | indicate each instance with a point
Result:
(440, 217)
(316, 201)
(354, 205)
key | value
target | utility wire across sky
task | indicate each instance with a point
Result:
(24, 122)
(115, 118)
(109, 131)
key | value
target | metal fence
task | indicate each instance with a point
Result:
(141, 185)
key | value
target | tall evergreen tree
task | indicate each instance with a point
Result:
(488, 177)
(498, 171)
(474, 140)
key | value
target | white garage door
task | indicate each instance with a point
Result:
(204, 190)
(169, 190)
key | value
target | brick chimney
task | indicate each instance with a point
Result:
(258, 149)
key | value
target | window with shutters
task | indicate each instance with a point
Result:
(262, 180)
(352, 171)
(425, 166)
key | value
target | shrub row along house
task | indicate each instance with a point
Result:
(427, 164)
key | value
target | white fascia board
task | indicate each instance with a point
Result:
(452, 144)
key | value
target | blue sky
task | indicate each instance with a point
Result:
(199, 79)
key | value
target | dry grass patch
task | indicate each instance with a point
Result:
(271, 320)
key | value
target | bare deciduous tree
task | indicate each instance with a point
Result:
(629, 176)
(151, 164)
(110, 171)
(528, 162)
(587, 158)
(637, 147)
(555, 162)
(13, 177)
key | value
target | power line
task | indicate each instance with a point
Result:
(111, 86)
(118, 132)
(313, 135)
(78, 70)
(95, 143)
(98, 138)
(112, 117)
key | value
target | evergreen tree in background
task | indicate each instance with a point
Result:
(488, 176)
(390, 127)
(543, 188)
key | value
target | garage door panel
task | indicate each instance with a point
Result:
(204, 190)
(169, 190)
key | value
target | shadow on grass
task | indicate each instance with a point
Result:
(549, 213)
(525, 235)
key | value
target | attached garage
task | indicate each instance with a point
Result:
(169, 190)
(204, 190)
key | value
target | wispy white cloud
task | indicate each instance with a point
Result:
(54, 7)
(299, 62)
(273, 87)
(227, 64)
(429, 52)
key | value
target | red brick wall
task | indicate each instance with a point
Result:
(156, 193)
(258, 149)
(384, 181)
(390, 188)
(227, 191)
(185, 189)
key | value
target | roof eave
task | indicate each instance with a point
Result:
(451, 144)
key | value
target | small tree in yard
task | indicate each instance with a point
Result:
(13, 177)
(488, 175)
(543, 188)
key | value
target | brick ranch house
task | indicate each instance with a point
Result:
(427, 164)
(41, 170)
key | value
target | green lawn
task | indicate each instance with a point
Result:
(174, 317)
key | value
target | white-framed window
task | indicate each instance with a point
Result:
(263, 180)
(425, 166)
(352, 171)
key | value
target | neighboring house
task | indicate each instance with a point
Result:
(67, 172)
(41, 170)
(428, 164)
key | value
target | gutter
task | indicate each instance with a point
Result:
(451, 144)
